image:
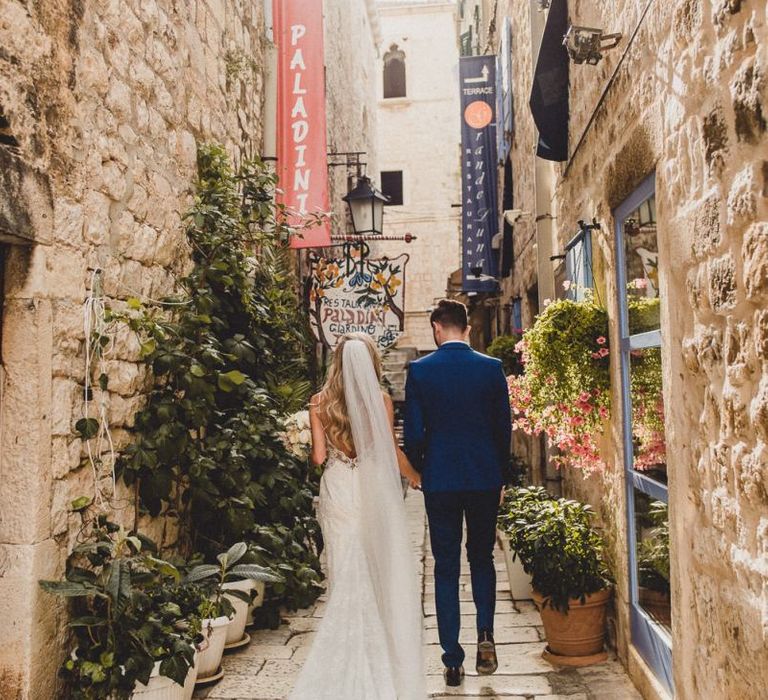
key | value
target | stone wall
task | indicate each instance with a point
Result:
(688, 104)
(106, 102)
(419, 134)
(352, 39)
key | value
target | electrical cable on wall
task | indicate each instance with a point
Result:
(95, 328)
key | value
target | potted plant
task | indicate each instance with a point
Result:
(517, 501)
(505, 348)
(219, 611)
(653, 565)
(189, 598)
(558, 546)
(126, 639)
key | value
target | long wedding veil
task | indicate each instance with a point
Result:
(388, 547)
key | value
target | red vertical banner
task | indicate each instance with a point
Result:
(302, 161)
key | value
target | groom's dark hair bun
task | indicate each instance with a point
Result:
(450, 313)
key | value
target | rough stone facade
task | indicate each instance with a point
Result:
(419, 135)
(102, 105)
(352, 41)
(688, 104)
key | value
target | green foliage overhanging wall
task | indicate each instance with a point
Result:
(229, 360)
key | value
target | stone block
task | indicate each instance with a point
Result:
(65, 455)
(734, 413)
(742, 197)
(26, 201)
(758, 410)
(68, 222)
(722, 283)
(33, 636)
(755, 255)
(751, 468)
(92, 71)
(746, 93)
(125, 378)
(66, 396)
(707, 234)
(760, 326)
(97, 221)
(119, 98)
(113, 180)
(25, 450)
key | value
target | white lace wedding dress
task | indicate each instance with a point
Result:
(368, 644)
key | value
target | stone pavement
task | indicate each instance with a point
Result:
(265, 670)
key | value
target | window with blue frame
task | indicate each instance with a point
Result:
(640, 297)
(578, 265)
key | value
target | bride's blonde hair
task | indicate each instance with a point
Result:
(331, 402)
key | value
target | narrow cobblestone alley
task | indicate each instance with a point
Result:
(265, 670)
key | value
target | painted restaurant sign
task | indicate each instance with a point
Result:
(301, 136)
(477, 75)
(347, 296)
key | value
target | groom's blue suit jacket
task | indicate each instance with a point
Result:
(457, 419)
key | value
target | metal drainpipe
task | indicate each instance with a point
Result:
(544, 186)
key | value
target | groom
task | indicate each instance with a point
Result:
(457, 433)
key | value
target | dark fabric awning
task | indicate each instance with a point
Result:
(549, 96)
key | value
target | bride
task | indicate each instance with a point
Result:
(368, 644)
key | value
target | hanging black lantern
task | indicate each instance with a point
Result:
(366, 207)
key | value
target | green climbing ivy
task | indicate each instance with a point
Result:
(229, 358)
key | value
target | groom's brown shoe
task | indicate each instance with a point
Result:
(487, 663)
(453, 675)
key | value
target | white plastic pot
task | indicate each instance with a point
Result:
(519, 581)
(162, 688)
(189, 683)
(236, 629)
(215, 634)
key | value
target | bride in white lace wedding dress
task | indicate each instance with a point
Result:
(368, 644)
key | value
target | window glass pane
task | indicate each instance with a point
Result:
(648, 442)
(578, 267)
(392, 186)
(652, 532)
(641, 253)
(394, 73)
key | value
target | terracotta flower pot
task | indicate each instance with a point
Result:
(580, 631)
(657, 604)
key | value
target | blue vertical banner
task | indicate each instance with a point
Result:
(479, 215)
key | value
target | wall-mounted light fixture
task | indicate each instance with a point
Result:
(366, 208)
(543, 4)
(512, 216)
(586, 44)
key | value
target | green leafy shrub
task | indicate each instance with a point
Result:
(125, 616)
(229, 360)
(229, 567)
(504, 347)
(556, 543)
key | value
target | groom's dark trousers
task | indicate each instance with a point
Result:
(457, 433)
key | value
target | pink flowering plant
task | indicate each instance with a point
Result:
(565, 389)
